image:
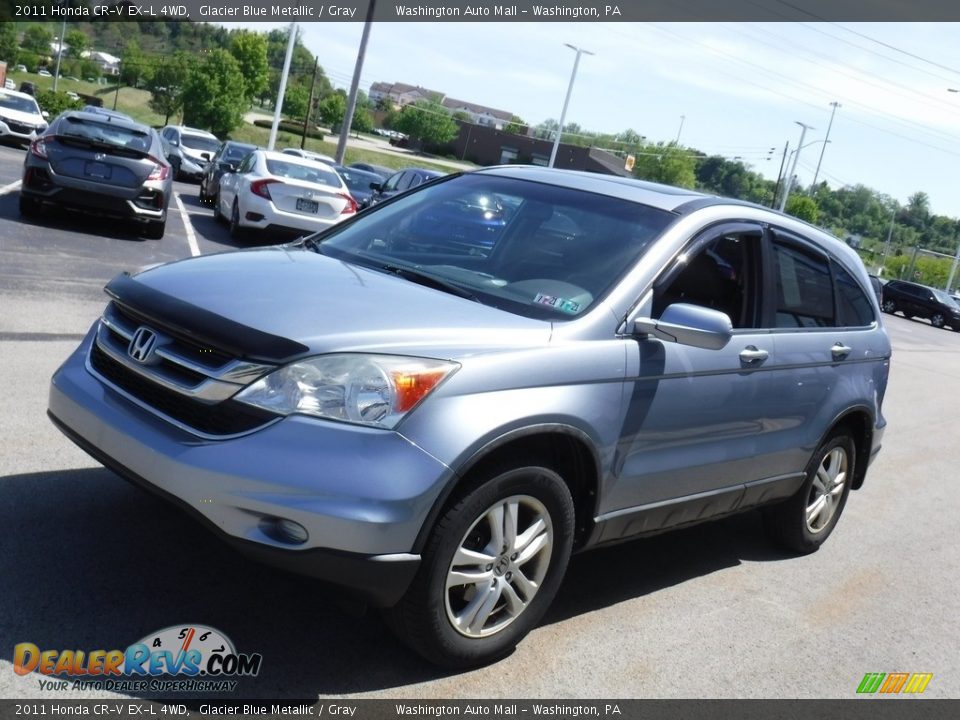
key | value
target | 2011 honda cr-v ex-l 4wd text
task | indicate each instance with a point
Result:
(437, 423)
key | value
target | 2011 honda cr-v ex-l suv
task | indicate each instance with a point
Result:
(437, 425)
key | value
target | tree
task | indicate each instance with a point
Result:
(37, 38)
(332, 108)
(55, 103)
(666, 164)
(428, 121)
(133, 64)
(213, 94)
(167, 85)
(517, 125)
(77, 41)
(295, 100)
(803, 207)
(8, 43)
(250, 51)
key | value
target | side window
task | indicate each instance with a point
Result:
(853, 306)
(723, 274)
(391, 184)
(804, 289)
(406, 180)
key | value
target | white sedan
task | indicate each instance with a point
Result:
(282, 195)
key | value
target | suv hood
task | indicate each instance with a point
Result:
(322, 304)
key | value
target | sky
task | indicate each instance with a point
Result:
(737, 89)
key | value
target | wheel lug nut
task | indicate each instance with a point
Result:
(508, 576)
(515, 556)
(489, 568)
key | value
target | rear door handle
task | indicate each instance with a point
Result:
(750, 354)
(840, 351)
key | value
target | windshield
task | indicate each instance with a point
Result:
(236, 153)
(199, 142)
(358, 179)
(12, 102)
(944, 298)
(537, 250)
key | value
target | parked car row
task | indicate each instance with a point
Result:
(103, 162)
(915, 300)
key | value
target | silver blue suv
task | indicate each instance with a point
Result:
(438, 424)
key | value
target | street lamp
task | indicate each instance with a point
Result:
(566, 101)
(793, 168)
(824, 148)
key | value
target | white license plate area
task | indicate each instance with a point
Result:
(98, 170)
(307, 206)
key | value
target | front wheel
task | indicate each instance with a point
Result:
(938, 320)
(804, 522)
(490, 569)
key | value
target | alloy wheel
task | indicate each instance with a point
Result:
(827, 490)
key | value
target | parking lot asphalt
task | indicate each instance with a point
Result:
(90, 562)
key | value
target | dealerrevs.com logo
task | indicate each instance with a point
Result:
(181, 658)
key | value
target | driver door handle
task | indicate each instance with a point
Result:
(750, 354)
(840, 351)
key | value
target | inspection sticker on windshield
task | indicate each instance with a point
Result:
(567, 306)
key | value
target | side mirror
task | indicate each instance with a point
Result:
(174, 143)
(376, 187)
(205, 156)
(45, 115)
(231, 167)
(688, 325)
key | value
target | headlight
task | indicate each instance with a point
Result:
(373, 390)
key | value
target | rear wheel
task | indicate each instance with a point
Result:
(889, 306)
(29, 207)
(155, 229)
(938, 320)
(235, 230)
(217, 215)
(175, 168)
(804, 522)
(490, 569)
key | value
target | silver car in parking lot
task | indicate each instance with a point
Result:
(437, 424)
(102, 165)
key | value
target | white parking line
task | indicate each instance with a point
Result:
(7, 189)
(188, 226)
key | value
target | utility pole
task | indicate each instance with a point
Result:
(953, 269)
(824, 148)
(354, 86)
(306, 119)
(291, 41)
(793, 168)
(56, 72)
(566, 101)
(677, 141)
(783, 162)
(886, 247)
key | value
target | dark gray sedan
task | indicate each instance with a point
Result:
(101, 165)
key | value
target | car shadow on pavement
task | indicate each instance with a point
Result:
(71, 220)
(94, 563)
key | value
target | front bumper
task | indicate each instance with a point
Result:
(362, 495)
(18, 133)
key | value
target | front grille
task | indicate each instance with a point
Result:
(224, 418)
(19, 128)
(177, 376)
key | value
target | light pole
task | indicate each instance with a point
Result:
(56, 71)
(566, 101)
(824, 148)
(886, 247)
(793, 168)
(677, 142)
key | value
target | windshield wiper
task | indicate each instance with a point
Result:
(428, 280)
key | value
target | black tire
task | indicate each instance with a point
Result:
(29, 207)
(204, 198)
(425, 617)
(236, 231)
(217, 215)
(175, 168)
(790, 523)
(938, 320)
(154, 230)
(889, 306)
